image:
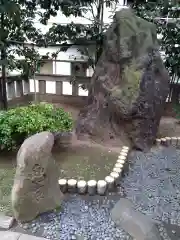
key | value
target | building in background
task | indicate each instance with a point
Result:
(72, 61)
(72, 54)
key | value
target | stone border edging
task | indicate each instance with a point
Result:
(100, 187)
(168, 141)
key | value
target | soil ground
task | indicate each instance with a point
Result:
(169, 127)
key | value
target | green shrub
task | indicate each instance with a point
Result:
(21, 122)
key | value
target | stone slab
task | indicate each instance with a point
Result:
(6, 222)
(30, 237)
(138, 225)
(9, 235)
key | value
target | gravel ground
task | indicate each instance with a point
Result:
(89, 219)
(153, 184)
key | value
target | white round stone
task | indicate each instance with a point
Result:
(122, 157)
(121, 161)
(101, 183)
(62, 181)
(117, 170)
(92, 183)
(168, 141)
(109, 179)
(115, 175)
(118, 165)
(63, 185)
(168, 138)
(158, 142)
(81, 184)
(123, 154)
(163, 140)
(110, 182)
(72, 182)
(124, 151)
(101, 187)
(174, 140)
(125, 147)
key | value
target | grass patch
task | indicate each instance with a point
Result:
(79, 163)
(85, 163)
(6, 182)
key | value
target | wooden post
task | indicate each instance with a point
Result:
(75, 88)
(26, 87)
(42, 87)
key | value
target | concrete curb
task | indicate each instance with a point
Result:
(101, 187)
(6, 222)
(6, 235)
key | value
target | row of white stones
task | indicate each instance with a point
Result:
(100, 187)
(167, 141)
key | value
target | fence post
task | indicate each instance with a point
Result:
(19, 88)
(59, 88)
(26, 86)
(42, 87)
(75, 87)
(11, 90)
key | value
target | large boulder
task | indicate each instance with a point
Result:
(35, 188)
(138, 225)
(129, 87)
(63, 139)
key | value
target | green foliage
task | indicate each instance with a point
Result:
(6, 182)
(170, 30)
(21, 122)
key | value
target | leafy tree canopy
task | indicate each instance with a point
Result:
(17, 27)
(82, 34)
(166, 15)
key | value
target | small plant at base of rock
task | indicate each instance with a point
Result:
(57, 209)
(19, 123)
